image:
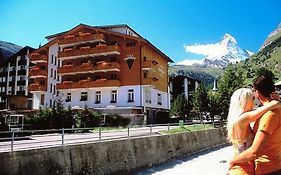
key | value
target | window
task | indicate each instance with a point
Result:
(113, 43)
(131, 95)
(113, 96)
(12, 79)
(130, 44)
(55, 74)
(21, 88)
(113, 76)
(98, 97)
(54, 90)
(147, 96)
(12, 68)
(52, 61)
(55, 60)
(21, 78)
(22, 67)
(84, 96)
(159, 99)
(68, 97)
(51, 88)
(144, 74)
(51, 101)
(51, 72)
(144, 58)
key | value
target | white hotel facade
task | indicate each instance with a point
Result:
(111, 69)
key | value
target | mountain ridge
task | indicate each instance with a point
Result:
(7, 49)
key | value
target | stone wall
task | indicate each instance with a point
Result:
(110, 157)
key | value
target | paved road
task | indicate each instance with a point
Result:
(212, 162)
(51, 140)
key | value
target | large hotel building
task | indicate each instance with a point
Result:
(111, 69)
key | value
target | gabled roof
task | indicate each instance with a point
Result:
(22, 51)
(102, 29)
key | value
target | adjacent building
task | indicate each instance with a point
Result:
(14, 81)
(183, 85)
(111, 69)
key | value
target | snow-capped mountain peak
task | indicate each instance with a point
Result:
(228, 38)
(230, 52)
(217, 54)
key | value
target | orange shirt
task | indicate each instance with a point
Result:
(269, 161)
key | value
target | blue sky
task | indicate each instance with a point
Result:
(168, 24)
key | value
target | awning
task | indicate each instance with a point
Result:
(278, 83)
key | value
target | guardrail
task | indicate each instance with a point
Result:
(31, 139)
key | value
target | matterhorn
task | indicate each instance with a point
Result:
(228, 52)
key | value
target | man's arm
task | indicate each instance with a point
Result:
(254, 151)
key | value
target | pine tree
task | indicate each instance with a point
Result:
(179, 107)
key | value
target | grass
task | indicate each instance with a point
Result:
(189, 128)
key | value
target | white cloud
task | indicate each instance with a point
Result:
(206, 49)
(190, 62)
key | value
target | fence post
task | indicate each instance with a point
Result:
(168, 127)
(150, 129)
(62, 137)
(12, 141)
(99, 133)
(128, 132)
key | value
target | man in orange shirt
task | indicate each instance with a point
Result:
(267, 142)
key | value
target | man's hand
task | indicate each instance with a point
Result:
(275, 96)
(230, 165)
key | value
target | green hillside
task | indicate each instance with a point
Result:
(269, 58)
(204, 74)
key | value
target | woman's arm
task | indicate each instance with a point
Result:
(248, 117)
(252, 152)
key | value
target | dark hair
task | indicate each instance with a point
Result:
(265, 85)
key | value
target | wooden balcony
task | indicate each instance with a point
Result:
(83, 38)
(88, 84)
(37, 88)
(89, 68)
(151, 80)
(96, 51)
(38, 58)
(147, 65)
(37, 72)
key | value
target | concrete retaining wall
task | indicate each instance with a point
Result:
(111, 157)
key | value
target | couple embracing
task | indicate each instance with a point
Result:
(257, 149)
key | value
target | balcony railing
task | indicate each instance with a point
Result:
(36, 72)
(38, 58)
(89, 68)
(82, 39)
(96, 51)
(88, 84)
(37, 88)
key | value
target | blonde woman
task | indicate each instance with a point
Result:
(240, 134)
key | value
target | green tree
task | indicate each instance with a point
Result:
(179, 107)
(200, 99)
(231, 80)
(214, 104)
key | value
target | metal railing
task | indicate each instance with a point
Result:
(32, 139)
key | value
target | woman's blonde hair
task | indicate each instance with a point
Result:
(238, 103)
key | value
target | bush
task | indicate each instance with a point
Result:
(86, 118)
(114, 120)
